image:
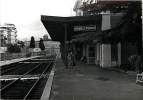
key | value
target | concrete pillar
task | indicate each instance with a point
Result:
(95, 54)
(119, 54)
(0, 46)
(0, 56)
(0, 39)
(84, 50)
(87, 50)
(98, 53)
(65, 45)
(106, 55)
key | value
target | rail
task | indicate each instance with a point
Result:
(44, 69)
(36, 82)
(18, 79)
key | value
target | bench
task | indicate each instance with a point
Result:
(139, 78)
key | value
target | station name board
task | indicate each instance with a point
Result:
(85, 28)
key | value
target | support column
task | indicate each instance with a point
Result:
(87, 46)
(65, 46)
(98, 53)
(0, 56)
(119, 54)
(106, 55)
(0, 46)
(83, 50)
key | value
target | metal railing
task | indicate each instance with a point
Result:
(10, 56)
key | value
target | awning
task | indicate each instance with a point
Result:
(57, 26)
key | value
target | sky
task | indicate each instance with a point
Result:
(26, 14)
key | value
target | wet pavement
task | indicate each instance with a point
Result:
(89, 82)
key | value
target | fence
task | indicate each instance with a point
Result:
(10, 56)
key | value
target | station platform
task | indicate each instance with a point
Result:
(89, 82)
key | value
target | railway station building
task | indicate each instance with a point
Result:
(107, 40)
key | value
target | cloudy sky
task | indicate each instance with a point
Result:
(25, 14)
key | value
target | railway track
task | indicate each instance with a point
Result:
(17, 69)
(27, 88)
(8, 67)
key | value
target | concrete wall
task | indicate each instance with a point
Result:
(106, 23)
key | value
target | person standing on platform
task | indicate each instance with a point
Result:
(69, 59)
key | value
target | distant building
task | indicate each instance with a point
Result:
(77, 9)
(8, 31)
(50, 46)
(3, 40)
(11, 33)
(3, 36)
(45, 37)
(7, 36)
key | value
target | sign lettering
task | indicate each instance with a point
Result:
(85, 28)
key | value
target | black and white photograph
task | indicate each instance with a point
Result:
(71, 50)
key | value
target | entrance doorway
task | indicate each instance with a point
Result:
(91, 54)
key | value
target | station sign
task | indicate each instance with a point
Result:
(85, 28)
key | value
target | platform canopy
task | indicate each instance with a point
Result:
(60, 28)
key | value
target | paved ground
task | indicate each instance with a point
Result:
(92, 83)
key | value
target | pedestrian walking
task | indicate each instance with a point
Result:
(73, 59)
(69, 59)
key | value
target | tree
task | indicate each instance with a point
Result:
(41, 44)
(133, 25)
(13, 48)
(32, 42)
(45, 37)
(21, 44)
